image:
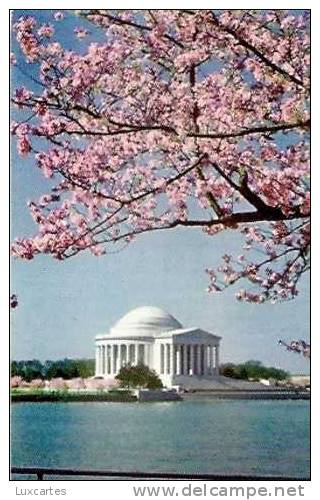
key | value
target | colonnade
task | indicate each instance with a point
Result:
(189, 359)
(111, 357)
(170, 359)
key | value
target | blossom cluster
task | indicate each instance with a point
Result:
(298, 346)
(170, 115)
(60, 384)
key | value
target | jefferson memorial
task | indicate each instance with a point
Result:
(153, 337)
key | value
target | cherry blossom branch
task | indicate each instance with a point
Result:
(297, 346)
(138, 139)
(247, 45)
(254, 130)
(131, 24)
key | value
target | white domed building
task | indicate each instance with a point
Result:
(153, 337)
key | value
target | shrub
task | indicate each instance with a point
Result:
(253, 370)
(15, 381)
(37, 383)
(139, 376)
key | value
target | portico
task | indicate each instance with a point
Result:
(188, 359)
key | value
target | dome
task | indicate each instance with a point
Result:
(145, 321)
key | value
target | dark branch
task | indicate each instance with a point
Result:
(132, 24)
(247, 45)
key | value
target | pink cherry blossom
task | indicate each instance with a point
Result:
(58, 16)
(15, 381)
(37, 383)
(46, 30)
(75, 384)
(21, 95)
(57, 384)
(23, 146)
(298, 346)
(173, 119)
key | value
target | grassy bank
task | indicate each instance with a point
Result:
(38, 396)
(256, 395)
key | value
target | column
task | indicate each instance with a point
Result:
(114, 359)
(204, 359)
(178, 360)
(146, 355)
(191, 359)
(135, 355)
(173, 359)
(181, 359)
(120, 355)
(168, 359)
(217, 361)
(111, 359)
(195, 356)
(108, 369)
(199, 359)
(106, 359)
(213, 363)
(103, 357)
(141, 357)
(118, 366)
(206, 363)
(125, 355)
(185, 360)
(161, 346)
(210, 360)
(209, 371)
(165, 364)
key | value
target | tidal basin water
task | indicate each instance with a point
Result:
(192, 436)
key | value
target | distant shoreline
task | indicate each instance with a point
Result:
(72, 397)
(128, 397)
(250, 394)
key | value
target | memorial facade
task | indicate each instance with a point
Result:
(151, 336)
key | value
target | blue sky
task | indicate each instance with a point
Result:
(63, 305)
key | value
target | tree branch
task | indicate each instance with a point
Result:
(132, 24)
(247, 45)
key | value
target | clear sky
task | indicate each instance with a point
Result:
(63, 305)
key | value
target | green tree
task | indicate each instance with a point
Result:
(86, 367)
(252, 370)
(14, 369)
(69, 368)
(28, 370)
(64, 368)
(138, 376)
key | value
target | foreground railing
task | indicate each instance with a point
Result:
(40, 472)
